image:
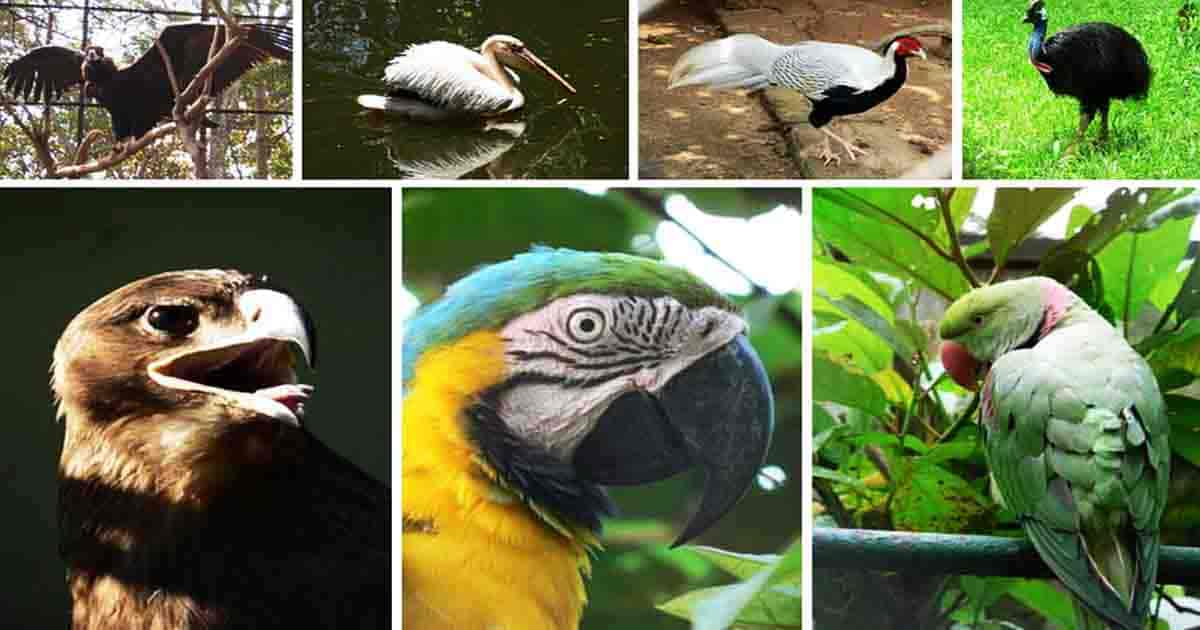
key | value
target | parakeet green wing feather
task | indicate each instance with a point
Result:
(1069, 450)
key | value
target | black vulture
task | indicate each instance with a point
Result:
(140, 95)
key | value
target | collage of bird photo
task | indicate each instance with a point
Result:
(638, 315)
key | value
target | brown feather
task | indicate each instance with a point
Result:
(179, 509)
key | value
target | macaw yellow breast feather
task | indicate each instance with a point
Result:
(474, 555)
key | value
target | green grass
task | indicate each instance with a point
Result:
(1015, 128)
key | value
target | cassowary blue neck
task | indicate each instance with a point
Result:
(1035, 39)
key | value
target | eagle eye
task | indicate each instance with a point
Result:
(585, 325)
(176, 320)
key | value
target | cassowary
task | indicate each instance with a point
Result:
(1094, 62)
(839, 79)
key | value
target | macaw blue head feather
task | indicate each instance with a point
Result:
(493, 295)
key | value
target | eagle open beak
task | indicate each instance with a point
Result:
(717, 414)
(255, 368)
(537, 63)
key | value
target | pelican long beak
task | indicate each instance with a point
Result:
(533, 60)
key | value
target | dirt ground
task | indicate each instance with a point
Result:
(698, 133)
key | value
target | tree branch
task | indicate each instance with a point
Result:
(952, 231)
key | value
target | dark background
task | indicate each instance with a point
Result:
(62, 250)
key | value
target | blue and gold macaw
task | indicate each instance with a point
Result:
(532, 383)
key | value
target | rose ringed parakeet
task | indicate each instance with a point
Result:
(532, 383)
(1076, 437)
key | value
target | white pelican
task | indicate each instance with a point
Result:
(439, 80)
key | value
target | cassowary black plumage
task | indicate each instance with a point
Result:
(140, 95)
(1094, 62)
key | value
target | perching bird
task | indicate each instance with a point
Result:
(1076, 437)
(530, 384)
(1093, 62)
(141, 95)
(190, 494)
(440, 80)
(838, 79)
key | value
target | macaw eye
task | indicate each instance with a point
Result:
(979, 320)
(585, 325)
(177, 320)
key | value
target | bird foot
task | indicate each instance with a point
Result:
(826, 154)
(851, 149)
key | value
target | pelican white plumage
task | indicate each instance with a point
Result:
(440, 80)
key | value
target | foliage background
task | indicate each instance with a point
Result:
(244, 146)
(447, 233)
(896, 444)
(60, 259)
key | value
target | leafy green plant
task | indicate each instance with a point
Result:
(896, 444)
(767, 597)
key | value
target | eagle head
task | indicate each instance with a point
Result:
(188, 371)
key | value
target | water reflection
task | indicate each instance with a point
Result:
(421, 151)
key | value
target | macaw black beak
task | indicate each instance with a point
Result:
(717, 414)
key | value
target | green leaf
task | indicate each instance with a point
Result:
(1125, 209)
(768, 597)
(1133, 262)
(1171, 290)
(835, 383)
(821, 472)
(821, 423)
(1187, 301)
(790, 567)
(1174, 350)
(933, 499)
(1017, 213)
(844, 337)
(884, 229)
(747, 604)
(950, 451)
(855, 309)
(1042, 597)
(1183, 413)
(961, 201)
(739, 565)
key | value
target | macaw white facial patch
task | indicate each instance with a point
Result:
(570, 359)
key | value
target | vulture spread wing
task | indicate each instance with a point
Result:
(188, 45)
(139, 96)
(44, 72)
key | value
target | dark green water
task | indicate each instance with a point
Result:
(347, 44)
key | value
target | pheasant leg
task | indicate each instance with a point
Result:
(850, 148)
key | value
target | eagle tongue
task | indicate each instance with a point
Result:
(291, 396)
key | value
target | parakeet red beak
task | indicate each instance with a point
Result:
(961, 366)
